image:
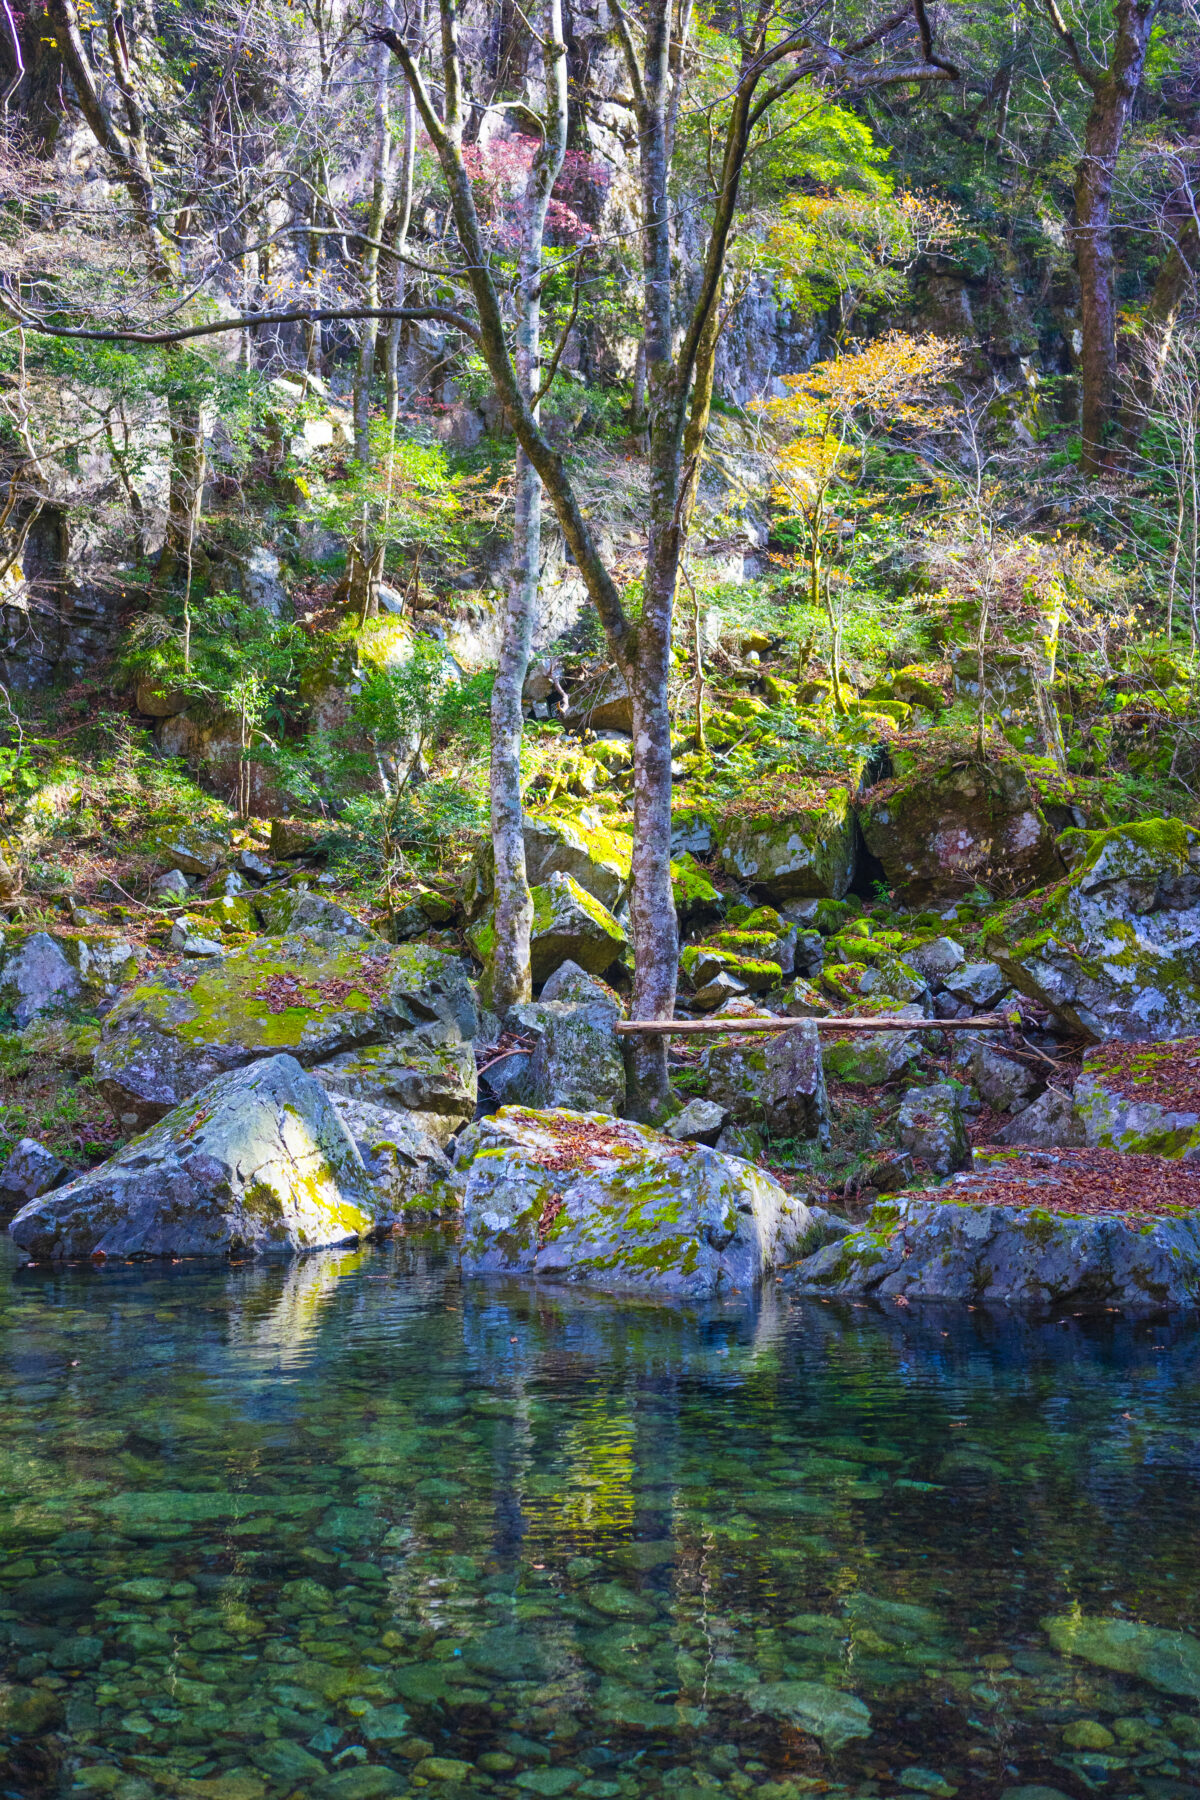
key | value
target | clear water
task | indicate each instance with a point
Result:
(349, 1529)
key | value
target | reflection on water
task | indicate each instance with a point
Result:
(347, 1529)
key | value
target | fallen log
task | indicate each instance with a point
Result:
(772, 1022)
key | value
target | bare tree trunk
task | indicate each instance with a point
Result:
(513, 917)
(1114, 91)
(381, 188)
(402, 207)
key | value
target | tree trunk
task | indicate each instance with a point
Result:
(513, 916)
(381, 188)
(1114, 92)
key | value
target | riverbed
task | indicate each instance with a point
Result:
(347, 1528)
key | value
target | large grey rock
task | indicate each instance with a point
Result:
(172, 885)
(977, 984)
(773, 1079)
(1003, 1082)
(569, 924)
(407, 1167)
(1115, 951)
(937, 960)
(570, 982)
(700, 1122)
(1142, 1098)
(580, 1197)
(167, 1037)
(429, 1073)
(970, 1245)
(940, 828)
(582, 847)
(1047, 1123)
(259, 578)
(257, 1162)
(601, 703)
(297, 912)
(716, 992)
(192, 849)
(788, 850)
(30, 1171)
(48, 970)
(870, 1058)
(576, 1060)
(930, 1125)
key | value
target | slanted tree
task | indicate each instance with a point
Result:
(774, 54)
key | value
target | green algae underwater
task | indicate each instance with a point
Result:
(350, 1528)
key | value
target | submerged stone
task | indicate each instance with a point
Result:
(827, 1713)
(1167, 1660)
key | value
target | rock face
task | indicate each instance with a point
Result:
(939, 831)
(789, 849)
(30, 1171)
(930, 1125)
(578, 1197)
(166, 1038)
(48, 970)
(406, 1166)
(258, 1162)
(1047, 1123)
(429, 1073)
(969, 1245)
(775, 1080)
(1142, 1098)
(1115, 951)
(576, 1061)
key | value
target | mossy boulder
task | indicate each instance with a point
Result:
(257, 1162)
(741, 954)
(45, 971)
(166, 1037)
(697, 901)
(192, 849)
(297, 911)
(407, 1167)
(941, 827)
(775, 1080)
(930, 1125)
(1143, 1098)
(790, 840)
(429, 1073)
(1016, 1231)
(1114, 951)
(871, 1058)
(576, 1061)
(567, 1196)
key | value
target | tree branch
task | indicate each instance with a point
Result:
(293, 316)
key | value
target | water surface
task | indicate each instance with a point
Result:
(349, 1529)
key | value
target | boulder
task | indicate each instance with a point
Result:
(801, 1000)
(937, 960)
(407, 1167)
(581, 846)
(869, 1058)
(187, 937)
(173, 885)
(743, 954)
(48, 970)
(700, 1122)
(576, 1061)
(297, 912)
(192, 849)
(584, 1198)
(930, 1125)
(1114, 951)
(569, 924)
(602, 703)
(1004, 1083)
(697, 901)
(259, 580)
(1167, 1660)
(296, 837)
(792, 844)
(168, 1036)
(1142, 1097)
(938, 830)
(1047, 1123)
(30, 1172)
(977, 985)
(1047, 1228)
(429, 1073)
(775, 1080)
(256, 1163)
(570, 982)
(716, 992)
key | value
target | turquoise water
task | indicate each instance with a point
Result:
(349, 1529)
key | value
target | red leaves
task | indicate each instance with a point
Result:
(1166, 1074)
(283, 990)
(1088, 1183)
